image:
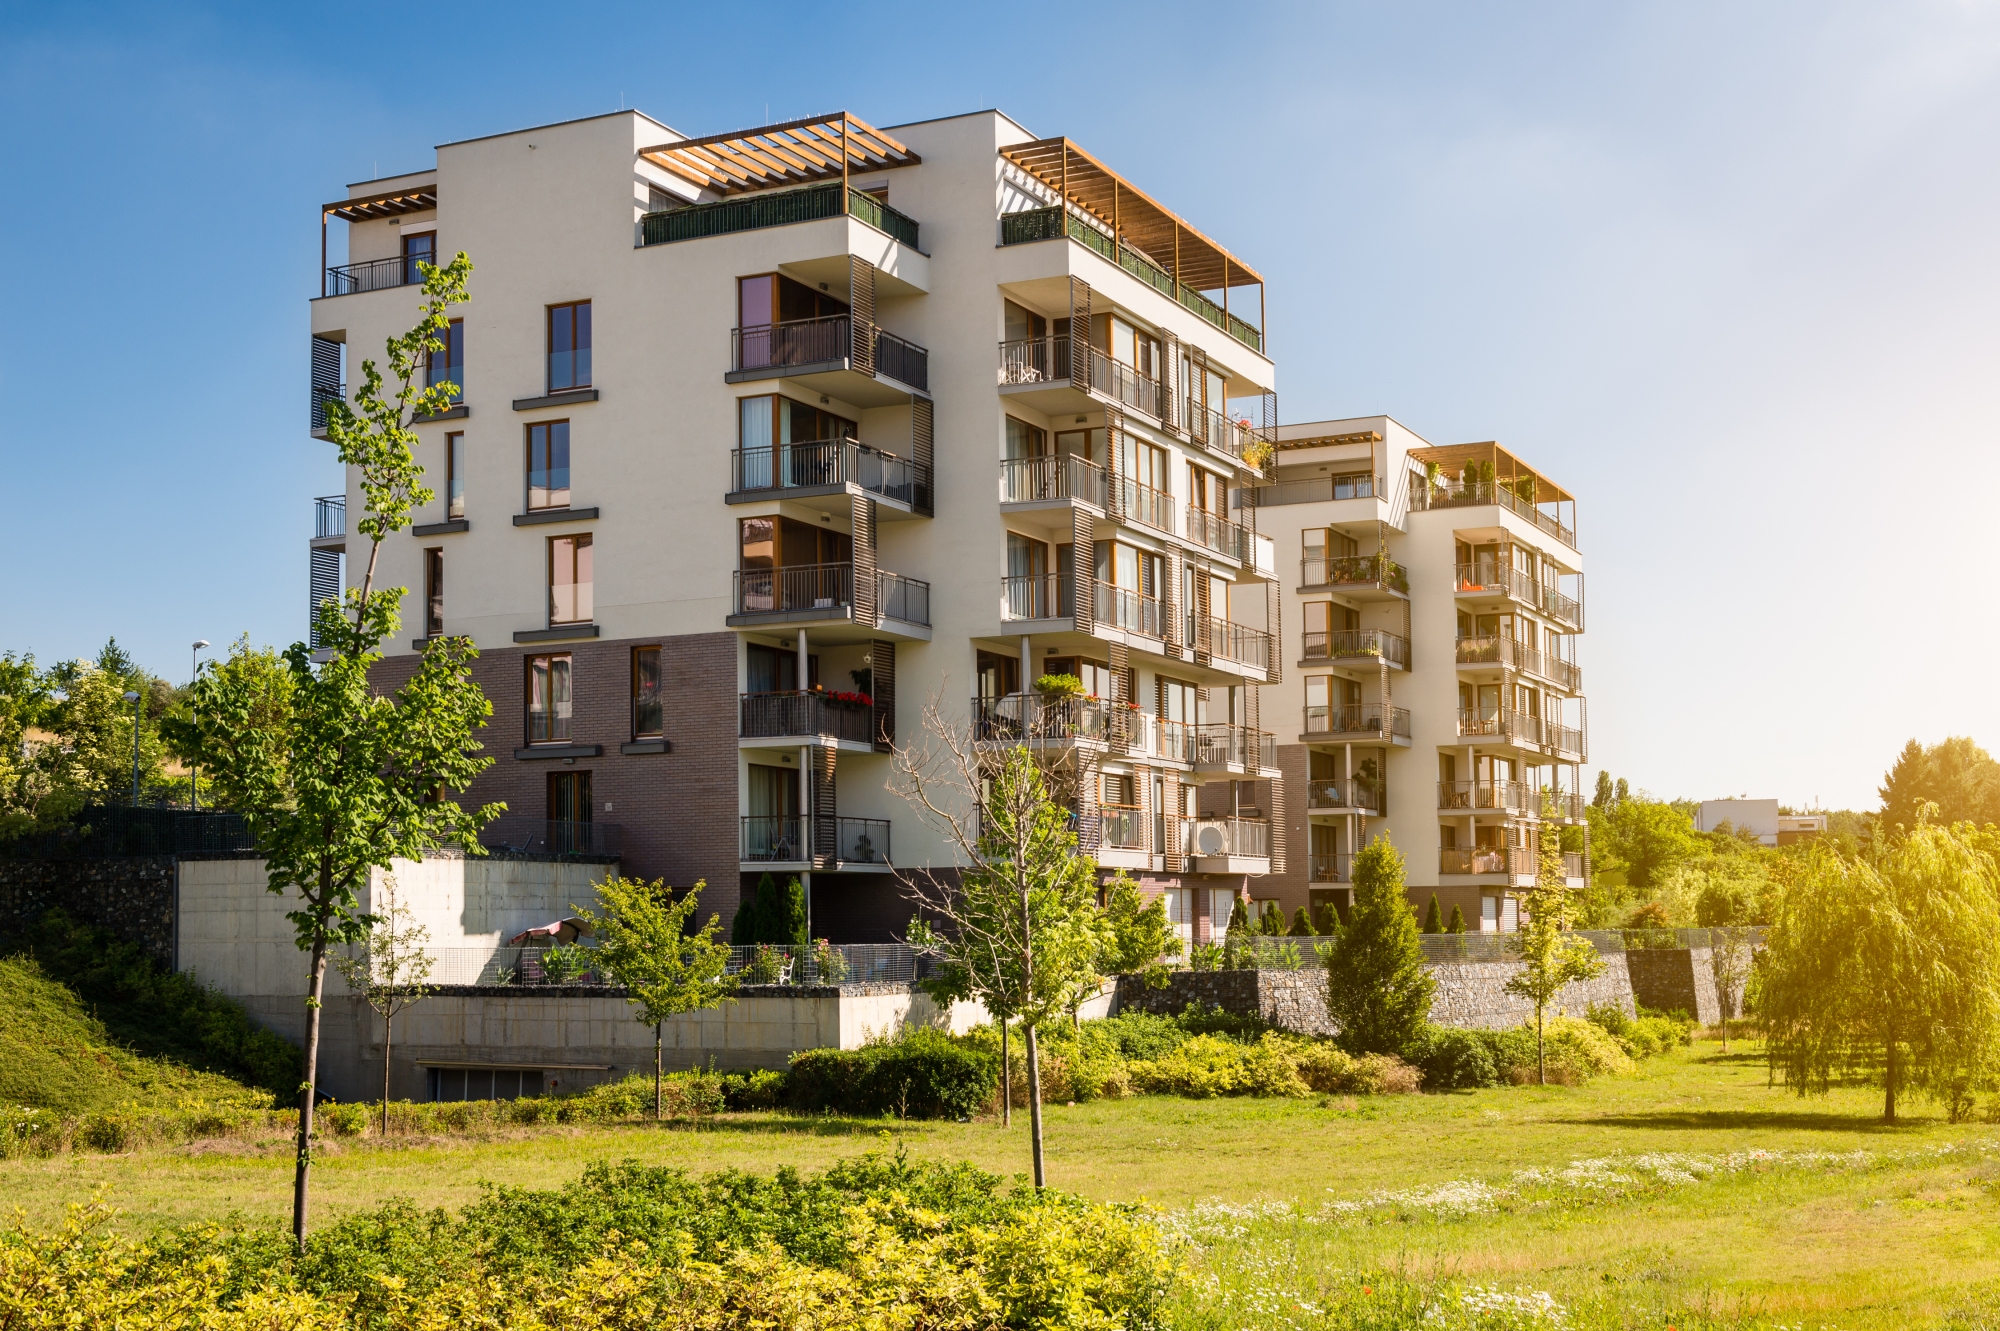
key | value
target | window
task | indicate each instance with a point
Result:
(569, 802)
(648, 716)
(433, 592)
(454, 475)
(1025, 440)
(548, 699)
(1206, 490)
(1221, 905)
(776, 670)
(767, 301)
(569, 580)
(548, 465)
(1020, 324)
(448, 365)
(485, 1083)
(1178, 701)
(569, 346)
(1116, 789)
(418, 249)
(783, 441)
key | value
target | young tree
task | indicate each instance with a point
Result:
(788, 918)
(1602, 796)
(1551, 956)
(261, 678)
(355, 779)
(1457, 924)
(1886, 970)
(1019, 929)
(1302, 925)
(1433, 917)
(1378, 990)
(1239, 919)
(1729, 959)
(1140, 939)
(391, 973)
(646, 945)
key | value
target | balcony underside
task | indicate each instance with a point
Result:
(1349, 661)
(1488, 880)
(836, 379)
(808, 866)
(1333, 811)
(832, 625)
(833, 499)
(1063, 635)
(1355, 591)
(793, 743)
(1353, 737)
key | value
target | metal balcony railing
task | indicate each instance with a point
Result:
(1028, 480)
(1173, 740)
(1353, 571)
(1218, 533)
(1218, 835)
(804, 714)
(1510, 797)
(1329, 868)
(1344, 793)
(1235, 746)
(1035, 596)
(800, 342)
(1123, 609)
(1320, 490)
(1490, 577)
(831, 462)
(1483, 860)
(1121, 827)
(1497, 649)
(778, 208)
(1457, 494)
(1564, 740)
(1349, 644)
(907, 599)
(1226, 640)
(1035, 360)
(790, 839)
(537, 836)
(1154, 508)
(1503, 723)
(769, 591)
(1357, 719)
(322, 395)
(375, 274)
(1041, 717)
(329, 516)
(1233, 437)
(1563, 806)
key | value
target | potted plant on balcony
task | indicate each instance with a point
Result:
(1059, 686)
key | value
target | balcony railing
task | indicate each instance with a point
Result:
(1032, 717)
(1210, 836)
(1121, 827)
(1218, 533)
(1329, 868)
(1036, 596)
(1563, 739)
(1120, 608)
(1321, 490)
(1036, 360)
(1172, 740)
(374, 275)
(1498, 649)
(1235, 437)
(1351, 644)
(779, 208)
(329, 516)
(805, 342)
(322, 394)
(1235, 746)
(1510, 797)
(1514, 861)
(784, 715)
(1357, 719)
(1562, 806)
(791, 839)
(1458, 494)
(1502, 723)
(1226, 640)
(1154, 508)
(1350, 793)
(1490, 577)
(1049, 223)
(536, 836)
(770, 591)
(831, 462)
(1026, 480)
(1353, 571)
(1117, 380)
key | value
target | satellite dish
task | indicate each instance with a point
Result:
(1209, 839)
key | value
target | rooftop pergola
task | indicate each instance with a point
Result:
(1135, 217)
(371, 207)
(1508, 470)
(798, 152)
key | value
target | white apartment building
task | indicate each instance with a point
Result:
(1433, 598)
(754, 420)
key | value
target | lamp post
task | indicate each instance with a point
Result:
(194, 766)
(133, 698)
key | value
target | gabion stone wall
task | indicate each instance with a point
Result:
(1681, 977)
(132, 896)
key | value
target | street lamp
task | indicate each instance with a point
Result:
(194, 767)
(133, 698)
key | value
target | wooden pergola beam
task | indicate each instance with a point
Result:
(795, 152)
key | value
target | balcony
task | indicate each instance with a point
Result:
(1217, 844)
(509, 835)
(1233, 438)
(1359, 720)
(818, 843)
(1039, 371)
(1035, 719)
(1358, 645)
(1518, 863)
(1329, 868)
(329, 517)
(1053, 480)
(1036, 596)
(1362, 577)
(1352, 795)
(805, 717)
(1144, 504)
(375, 275)
(1507, 797)
(809, 592)
(1119, 608)
(1054, 222)
(1498, 650)
(1219, 534)
(1174, 741)
(828, 468)
(1440, 493)
(853, 360)
(1490, 578)
(1563, 806)
(781, 208)
(322, 394)
(1319, 490)
(1226, 640)
(1234, 749)
(1118, 827)
(1511, 727)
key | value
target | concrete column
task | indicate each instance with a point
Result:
(1027, 665)
(802, 660)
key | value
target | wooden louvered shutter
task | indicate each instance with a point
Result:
(861, 311)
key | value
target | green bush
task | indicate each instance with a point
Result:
(1577, 1050)
(757, 1089)
(1454, 1060)
(1646, 1035)
(926, 1074)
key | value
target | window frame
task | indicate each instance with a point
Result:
(548, 661)
(579, 564)
(454, 476)
(439, 366)
(580, 345)
(528, 471)
(434, 591)
(658, 702)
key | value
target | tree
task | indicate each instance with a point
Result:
(1378, 990)
(1885, 969)
(1140, 939)
(1019, 929)
(1457, 924)
(1552, 957)
(261, 678)
(1433, 917)
(1730, 953)
(354, 779)
(1622, 793)
(788, 916)
(1239, 919)
(1958, 776)
(1603, 795)
(645, 945)
(1651, 837)
(391, 973)
(1302, 925)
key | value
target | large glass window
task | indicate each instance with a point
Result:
(569, 346)
(1025, 440)
(548, 465)
(454, 475)
(548, 695)
(418, 249)
(569, 580)
(648, 716)
(448, 365)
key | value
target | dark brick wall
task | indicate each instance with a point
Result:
(132, 896)
(678, 810)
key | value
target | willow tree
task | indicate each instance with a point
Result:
(1883, 970)
(353, 778)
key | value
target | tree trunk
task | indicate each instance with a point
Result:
(1541, 1055)
(302, 1172)
(659, 1082)
(388, 1043)
(1006, 1080)
(1889, 1082)
(1035, 1107)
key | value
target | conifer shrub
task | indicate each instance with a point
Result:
(1433, 919)
(1302, 925)
(1378, 989)
(1457, 924)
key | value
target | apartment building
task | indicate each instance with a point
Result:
(1433, 597)
(765, 440)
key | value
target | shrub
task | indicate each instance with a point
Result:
(1455, 1060)
(1577, 1051)
(1646, 1035)
(926, 1074)
(1302, 926)
(757, 1089)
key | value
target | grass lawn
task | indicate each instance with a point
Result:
(1899, 1244)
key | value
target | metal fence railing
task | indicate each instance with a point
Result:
(576, 965)
(511, 835)
(162, 824)
(1263, 952)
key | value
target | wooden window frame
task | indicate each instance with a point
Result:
(454, 476)
(659, 695)
(528, 696)
(577, 541)
(587, 343)
(528, 503)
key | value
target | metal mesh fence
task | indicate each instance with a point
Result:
(529, 967)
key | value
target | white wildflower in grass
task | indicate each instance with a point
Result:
(1490, 1308)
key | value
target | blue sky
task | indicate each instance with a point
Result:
(1727, 271)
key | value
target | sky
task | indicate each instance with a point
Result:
(1726, 271)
